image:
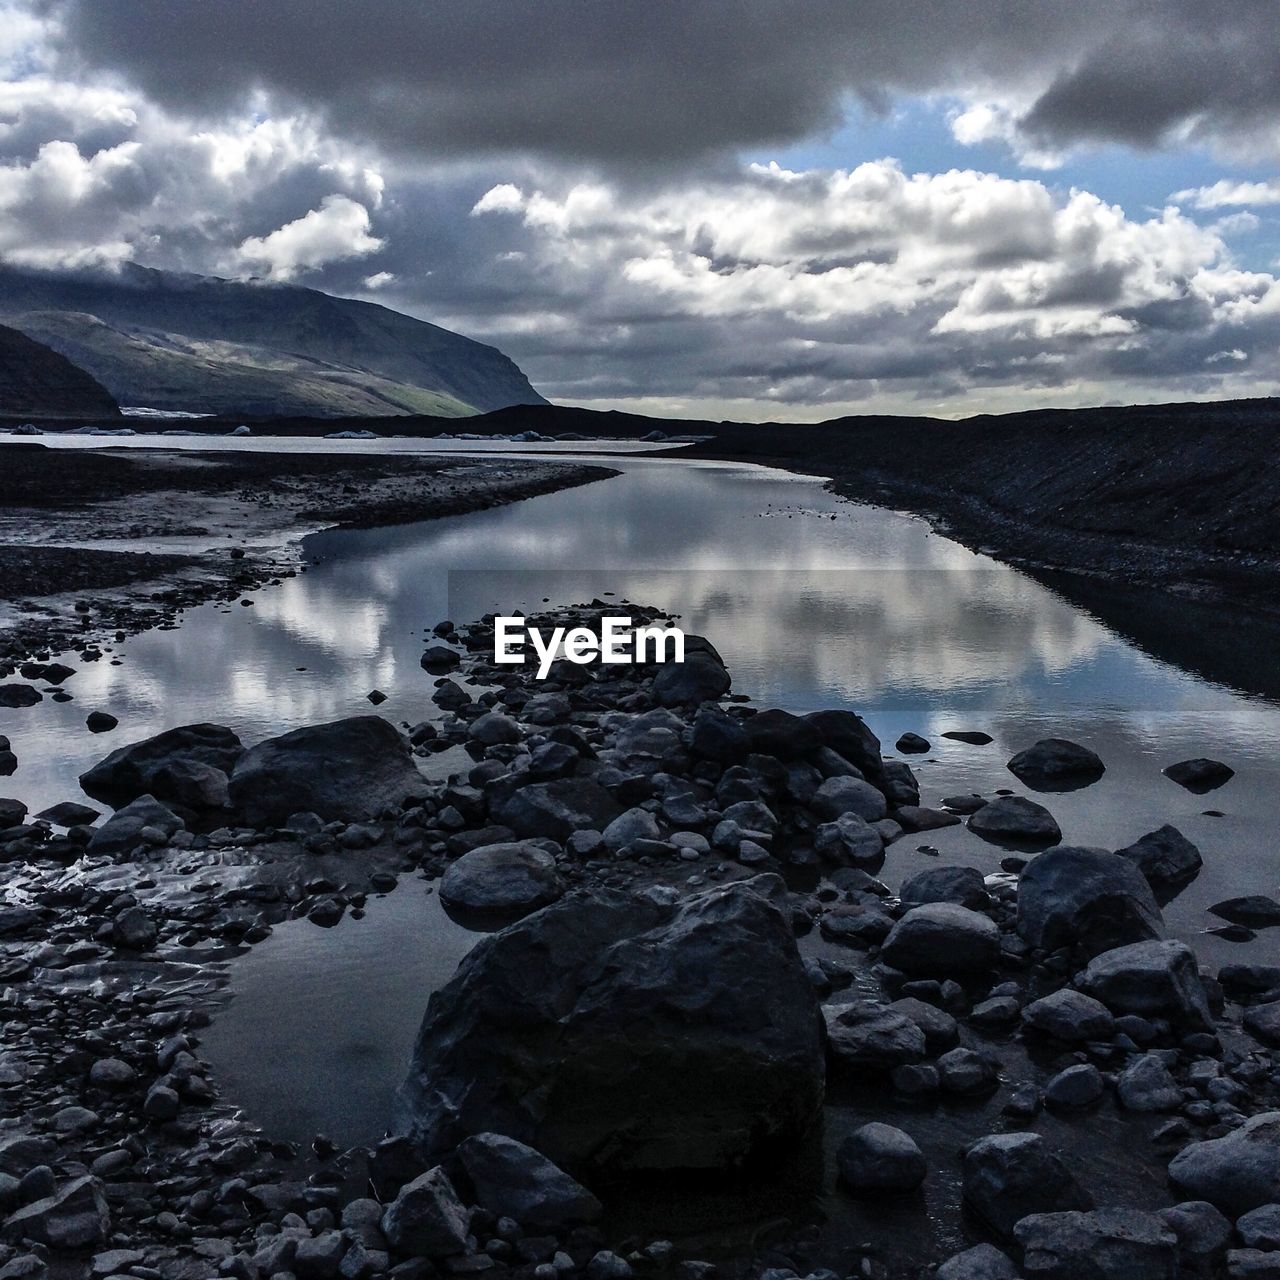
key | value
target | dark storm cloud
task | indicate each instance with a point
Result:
(618, 79)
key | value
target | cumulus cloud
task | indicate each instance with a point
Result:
(336, 231)
(1226, 192)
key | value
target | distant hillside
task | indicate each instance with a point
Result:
(192, 343)
(38, 383)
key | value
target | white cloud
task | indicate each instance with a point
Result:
(1225, 193)
(339, 229)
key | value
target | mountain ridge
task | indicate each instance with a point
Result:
(38, 382)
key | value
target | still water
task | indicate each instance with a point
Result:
(813, 601)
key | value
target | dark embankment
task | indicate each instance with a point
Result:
(36, 382)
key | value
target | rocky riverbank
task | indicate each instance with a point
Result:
(97, 542)
(690, 969)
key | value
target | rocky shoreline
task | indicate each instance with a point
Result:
(97, 544)
(689, 956)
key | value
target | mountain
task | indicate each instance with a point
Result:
(195, 343)
(36, 382)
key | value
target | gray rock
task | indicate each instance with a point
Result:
(123, 831)
(941, 938)
(1151, 979)
(780, 734)
(701, 677)
(493, 729)
(1256, 911)
(139, 769)
(622, 1032)
(912, 743)
(439, 657)
(1166, 857)
(941, 1031)
(1069, 1016)
(1086, 899)
(1234, 1173)
(1260, 1227)
(556, 809)
(427, 1220)
(349, 771)
(1074, 1088)
(319, 1257)
(1103, 1244)
(1200, 775)
(838, 796)
(1262, 1021)
(1146, 1084)
(982, 1262)
(134, 929)
(1203, 1236)
(847, 734)
(503, 879)
(1008, 1176)
(1252, 1264)
(626, 828)
(868, 1036)
(75, 1216)
(1017, 821)
(849, 841)
(515, 1181)
(878, 1158)
(914, 818)
(69, 814)
(961, 885)
(965, 1073)
(1053, 762)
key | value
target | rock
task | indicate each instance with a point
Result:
(627, 828)
(1146, 1084)
(1237, 1172)
(12, 813)
(134, 929)
(1151, 979)
(122, 832)
(1015, 820)
(557, 809)
(982, 1262)
(1203, 1235)
(849, 841)
(348, 771)
(100, 722)
(1255, 911)
(1252, 1264)
(1008, 1176)
(848, 736)
(1166, 857)
(439, 657)
(1069, 1016)
(1087, 899)
(319, 1257)
(838, 796)
(1262, 1021)
(912, 744)
(866, 1035)
(1200, 775)
(900, 787)
(1260, 1228)
(965, 1073)
(69, 814)
(718, 736)
(941, 1031)
(962, 885)
(622, 1033)
(941, 938)
(111, 1073)
(914, 818)
(701, 677)
(515, 1181)
(16, 694)
(427, 1220)
(1054, 763)
(782, 735)
(192, 787)
(502, 879)
(1103, 1244)
(878, 1158)
(1076, 1087)
(493, 729)
(973, 737)
(131, 771)
(75, 1216)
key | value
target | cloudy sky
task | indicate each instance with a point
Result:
(751, 208)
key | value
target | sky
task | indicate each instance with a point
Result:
(760, 209)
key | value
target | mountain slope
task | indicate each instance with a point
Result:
(36, 382)
(195, 343)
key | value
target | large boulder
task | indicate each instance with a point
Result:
(75, 1216)
(1088, 899)
(1069, 1016)
(1103, 1244)
(849, 841)
(1008, 1176)
(942, 938)
(1016, 821)
(868, 1036)
(1167, 858)
(348, 771)
(847, 735)
(123, 831)
(1234, 1173)
(838, 796)
(1152, 980)
(619, 1033)
(426, 1219)
(701, 677)
(1200, 775)
(1056, 764)
(513, 1180)
(185, 767)
(878, 1158)
(554, 810)
(780, 734)
(964, 886)
(503, 880)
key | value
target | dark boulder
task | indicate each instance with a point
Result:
(513, 1180)
(172, 766)
(503, 880)
(701, 677)
(553, 810)
(613, 1032)
(1008, 1176)
(1235, 1173)
(847, 735)
(1200, 775)
(1158, 979)
(1015, 821)
(961, 885)
(1057, 764)
(1102, 1244)
(349, 771)
(122, 832)
(1167, 858)
(781, 735)
(16, 694)
(941, 938)
(912, 743)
